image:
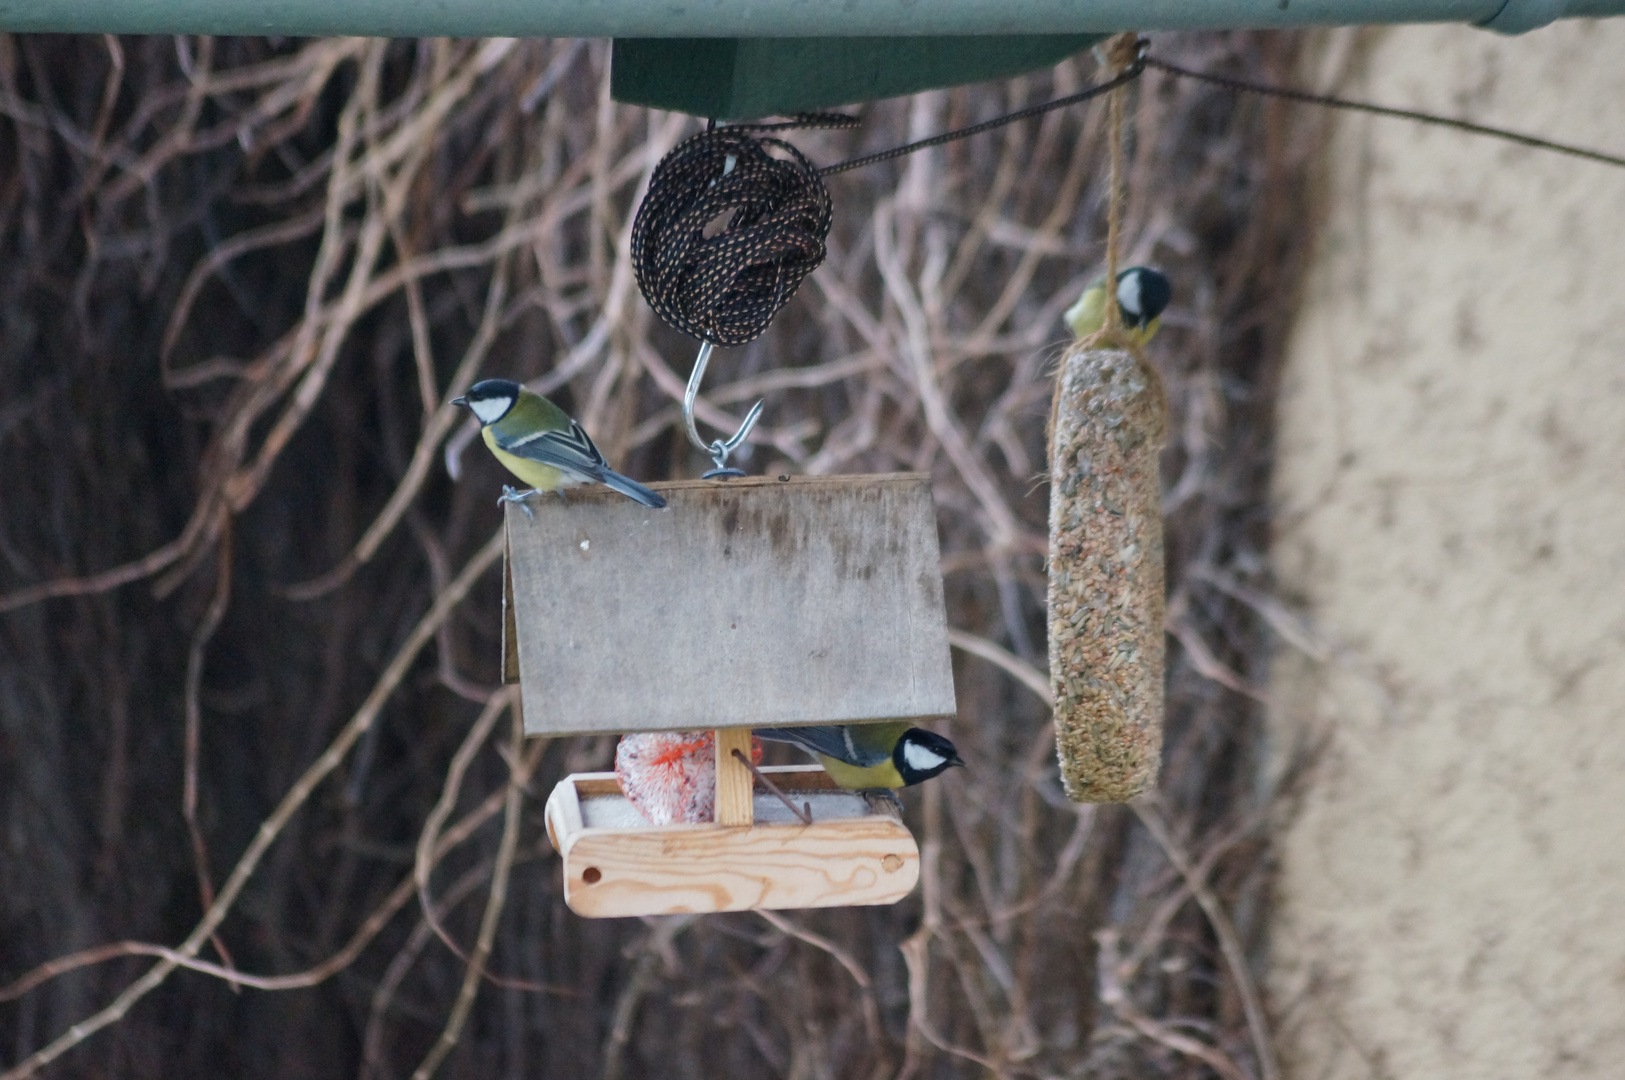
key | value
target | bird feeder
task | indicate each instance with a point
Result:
(1106, 592)
(745, 603)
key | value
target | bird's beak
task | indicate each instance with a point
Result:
(460, 401)
(957, 760)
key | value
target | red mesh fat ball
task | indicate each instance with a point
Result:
(671, 776)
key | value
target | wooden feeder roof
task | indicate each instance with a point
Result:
(751, 602)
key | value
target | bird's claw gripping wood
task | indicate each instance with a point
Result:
(883, 801)
(511, 494)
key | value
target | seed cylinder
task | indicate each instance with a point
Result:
(1106, 591)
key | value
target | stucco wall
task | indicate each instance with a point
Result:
(1451, 499)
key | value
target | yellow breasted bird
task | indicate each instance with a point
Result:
(867, 756)
(1142, 294)
(537, 442)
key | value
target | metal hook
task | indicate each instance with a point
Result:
(719, 450)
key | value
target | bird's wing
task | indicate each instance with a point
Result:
(567, 450)
(830, 740)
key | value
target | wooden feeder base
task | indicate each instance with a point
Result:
(616, 864)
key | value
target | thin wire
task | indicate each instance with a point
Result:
(1134, 70)
(1128, 75)
(1382, 110)
(803, 813)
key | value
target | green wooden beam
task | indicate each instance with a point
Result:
(758, 18)
(733, 78)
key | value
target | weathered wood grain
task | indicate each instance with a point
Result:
(847, 857)
(748, 602)
(1106, 602)
(510, 630)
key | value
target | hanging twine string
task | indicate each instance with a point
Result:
(1112, 324)
(1126, 49)
(1126, 52)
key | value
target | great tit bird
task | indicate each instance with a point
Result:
(867, 756)
(1142, 294)
(537, 442)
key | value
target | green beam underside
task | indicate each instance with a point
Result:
(732, 78)
(756, 18)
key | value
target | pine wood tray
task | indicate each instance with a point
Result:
(616, 864)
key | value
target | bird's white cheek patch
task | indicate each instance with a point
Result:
(1128, 294)
(490, 410)
(920, 759)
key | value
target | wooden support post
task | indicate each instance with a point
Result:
(734, 782)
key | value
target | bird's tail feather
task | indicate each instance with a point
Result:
(632, 489)
(784, 735)
(801, 738)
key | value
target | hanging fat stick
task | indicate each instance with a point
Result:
(1106, 598)
(1105, 575)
